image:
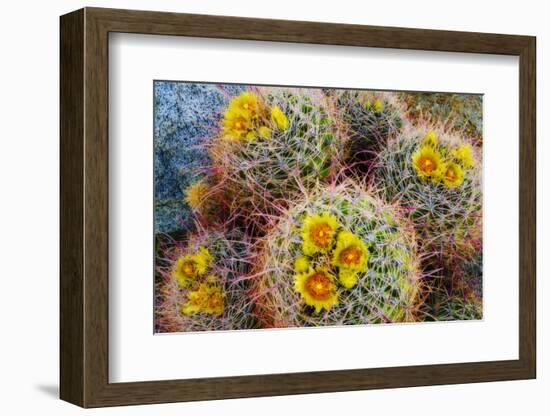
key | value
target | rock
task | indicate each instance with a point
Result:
(185, 115)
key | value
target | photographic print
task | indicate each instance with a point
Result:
(282, 207)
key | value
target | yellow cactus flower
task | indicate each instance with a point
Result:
(190, 308)
(209, 299)
(195, 194)
(265, 132)
(246, 104)
(427, 162)
(195, 301)
(240, 117)
(215, 302)
(318, 233)
(189, 267)
(301, 264)
(431, 139)
(279, 118)
(463, 154)
(185, 270)
(453, 175)
(347, 278)
(317, 289)
(368, 105)
(350, 254)
(378, 106)
(236, 125)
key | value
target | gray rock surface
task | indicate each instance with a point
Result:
(186, 114)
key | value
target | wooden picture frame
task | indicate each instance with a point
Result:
(84, 207)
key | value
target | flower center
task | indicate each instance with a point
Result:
(319, 286)
(320, 234)
(451, 175)
(427, 164)
(351, 255)
(215, 300)
(188, 268)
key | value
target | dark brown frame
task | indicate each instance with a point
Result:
(84, 208)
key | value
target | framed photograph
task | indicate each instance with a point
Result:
(256, 207)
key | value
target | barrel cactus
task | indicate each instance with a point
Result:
(274, 142)
(201, 284)
(458, 308)
(340, 256)
(436, 177)
(370, 119)
(458, 296)
(461, 113)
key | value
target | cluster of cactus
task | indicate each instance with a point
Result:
(370, 119)
(340, 213)
(274, 143)
(340, 256)
(436, 177)
(201, 284)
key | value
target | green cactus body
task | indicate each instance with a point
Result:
(261, 174)
(226, 272)
(446, 217)
(386, 290)
(370, 119)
